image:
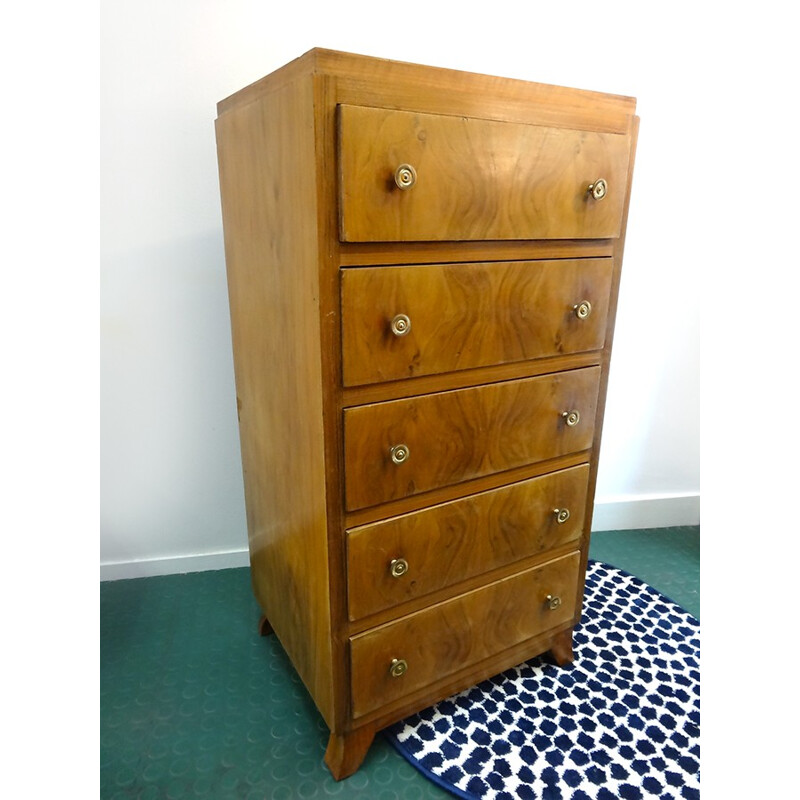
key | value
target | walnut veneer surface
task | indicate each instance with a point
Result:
(423, 268)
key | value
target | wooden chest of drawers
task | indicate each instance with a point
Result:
(423, 268)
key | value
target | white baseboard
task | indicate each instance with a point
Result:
(176, 565)
(610, 514)
(645, 511)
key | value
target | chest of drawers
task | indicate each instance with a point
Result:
(423, 268)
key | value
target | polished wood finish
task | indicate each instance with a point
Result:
(462, 434)
(383, 83)
(370, 254)
(267, 181)
(444, 494)
(449, 543)
(345, 752)
(292, 283)
(561, 648)
(469, 315)
(475, 376)
(442, 638)
(476, 179)
(463, 677)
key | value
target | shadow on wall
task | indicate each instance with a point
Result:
(171, 481)
(652, 411)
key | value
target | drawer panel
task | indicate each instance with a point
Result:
(449, 437)
(469, 315)
(475, 178)
(451, 542)
(457, 633)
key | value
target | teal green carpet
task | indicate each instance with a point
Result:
(195, 704)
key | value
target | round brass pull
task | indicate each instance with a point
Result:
(572, 418)
(553, 602)
(583, 309)
(398, 567)
(398, 668)
(405, 176)
(399, 453)
(562, 515)
(401, 325)
(598, 189)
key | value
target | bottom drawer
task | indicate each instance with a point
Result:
(398, 658)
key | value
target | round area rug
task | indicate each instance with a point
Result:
(622, 721)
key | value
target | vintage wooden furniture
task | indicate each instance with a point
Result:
(423, 268)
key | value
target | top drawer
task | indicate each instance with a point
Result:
(475, 179)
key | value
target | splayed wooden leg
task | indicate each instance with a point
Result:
(264, 628)
(561, 648)
(346, 752)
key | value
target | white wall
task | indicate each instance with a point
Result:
(172, 492)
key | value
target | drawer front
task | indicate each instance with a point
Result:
(409, 556)
(457, 633)
(475, 179)
(398, 322)
(402, 447)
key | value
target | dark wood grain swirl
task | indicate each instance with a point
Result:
(448, 636)
(462, 434)
(450, 542)
(469, 315)
(476, 178)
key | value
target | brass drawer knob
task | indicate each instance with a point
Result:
(398, 668)
(405, 176)
(562, 515)
(399, 453)
(552, 601)
(572, 418)
(583, 309)
(398, 567)
(401, 325)
(598, 189)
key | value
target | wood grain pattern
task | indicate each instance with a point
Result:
(462, 678)
(330, 342)
(448, 543)
(476, 179)
(364, 80)
(267, 184)
(302, 451)
(345, 752)
(444, 381)
(450, 635)
(469, 315)
(458, 435)
(445, 494)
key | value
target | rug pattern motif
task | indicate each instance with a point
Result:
(623, 721)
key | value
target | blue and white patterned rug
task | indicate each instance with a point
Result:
(622, 722)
